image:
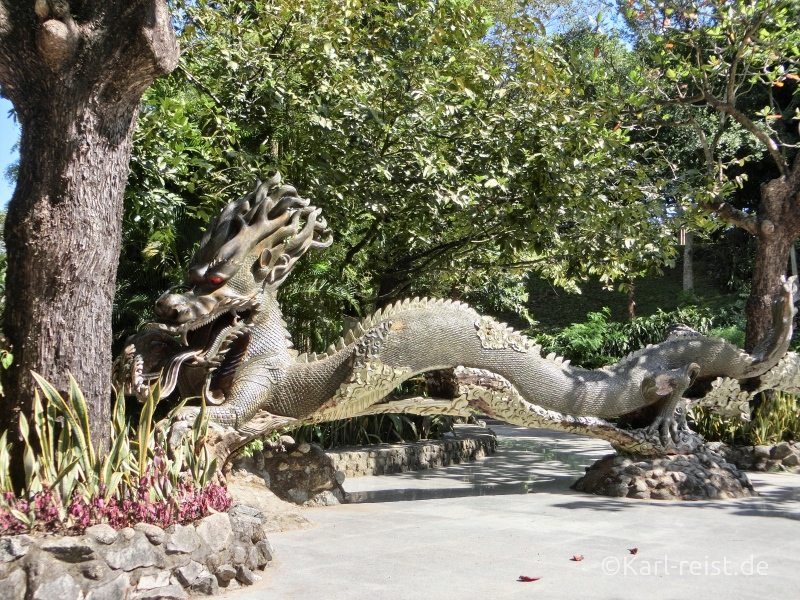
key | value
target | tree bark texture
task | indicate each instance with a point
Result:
(75, 74)
(688, 263)
(778, 228)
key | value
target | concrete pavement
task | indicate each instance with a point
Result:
(469, 531)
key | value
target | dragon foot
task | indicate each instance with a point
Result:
(672, 431)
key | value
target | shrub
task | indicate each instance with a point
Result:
(598, 342)
(374, 429)
(774, 419)
(68, 487)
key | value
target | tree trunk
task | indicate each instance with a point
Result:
(75, 75)
(631, 301)
(778, 228)
(688, 263)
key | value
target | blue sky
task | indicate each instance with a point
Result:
(9, 135)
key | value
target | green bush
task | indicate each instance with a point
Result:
(599, 342)
(774, 419)
(374, 429)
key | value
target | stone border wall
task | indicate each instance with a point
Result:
(780, 457)
(471, 442)
(144, 562)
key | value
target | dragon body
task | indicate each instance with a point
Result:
(222, 336)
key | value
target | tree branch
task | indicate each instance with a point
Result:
(750, 126)
(160, 38)
(733, 215)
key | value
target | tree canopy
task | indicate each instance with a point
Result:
(441, 152)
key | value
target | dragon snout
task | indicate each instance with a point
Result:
(174, 308)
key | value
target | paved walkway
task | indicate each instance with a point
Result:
(469, 531)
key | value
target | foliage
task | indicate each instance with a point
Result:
(439, 151)
(774, 419)
(374, 429)
(69, 487)
(598, 342)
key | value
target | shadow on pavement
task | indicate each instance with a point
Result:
(542, 461)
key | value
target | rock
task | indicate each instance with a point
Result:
(103, 533)
(265, 553)
(793, 460)
(326, 498)
(245, 575)
(181, 539)
(187, 575)
(69, 549)
(130, 554)
(154, 534)
(205, 586)
(239, 553)
(115, 589)
(225, 573)
(94, 570)
(298, 474)
(14, 586)
(780, 451)
(761, 452)
(170, 592)
(246, 528)
(216, 532)
(62, 588)
(249, 489)
(298, 496)
(151, 582)
(704, 475)
(239, 509)
(127, 533)
(14, 547)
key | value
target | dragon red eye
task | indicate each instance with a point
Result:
(214, 279)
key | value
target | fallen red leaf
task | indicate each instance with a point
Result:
(633, 550)
(577, 558)
(525, 578)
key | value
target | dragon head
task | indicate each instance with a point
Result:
(248, 249)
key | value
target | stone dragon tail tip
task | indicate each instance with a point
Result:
(775, 344)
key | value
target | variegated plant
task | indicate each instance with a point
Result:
(67, 485)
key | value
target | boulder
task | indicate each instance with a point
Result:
(700, 476)
(215, 532)
(297, 473)
(14, 586)
(181, 539)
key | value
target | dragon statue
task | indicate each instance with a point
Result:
(221, 338)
